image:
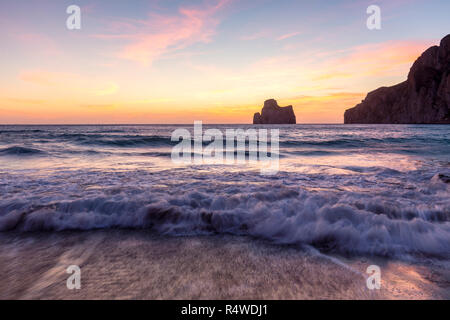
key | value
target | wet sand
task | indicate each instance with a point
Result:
(130, 264)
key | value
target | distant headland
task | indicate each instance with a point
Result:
(272, 113)
(422, 99)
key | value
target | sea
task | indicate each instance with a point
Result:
(378, 190)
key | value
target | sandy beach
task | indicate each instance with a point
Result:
(130, 264)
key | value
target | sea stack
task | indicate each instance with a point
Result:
(272, 113)
(422, 99)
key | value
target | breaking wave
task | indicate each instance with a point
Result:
(348, 223)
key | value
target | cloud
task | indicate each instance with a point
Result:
(268, 33)
(328, 76)
(379, 59)
(287, 36)
(333, 96)
(47, 78)
(160, 34)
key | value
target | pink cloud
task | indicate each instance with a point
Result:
(390, 58)
(46, 78)
(160, 34)
(381, 58)
(287, 36)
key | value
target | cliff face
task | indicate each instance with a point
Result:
(423, 98)
(272, 113)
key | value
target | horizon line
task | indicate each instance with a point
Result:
(154, 124)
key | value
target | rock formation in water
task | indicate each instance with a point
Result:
(272, 113)
(422, 99)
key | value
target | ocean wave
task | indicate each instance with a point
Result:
(405, 144)
(353, 143)
(21, 131)
(311, 144)
(19, 151)
(117, 140)
(314, 152)
(344, 223)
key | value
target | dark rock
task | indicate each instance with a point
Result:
(272, 113)
(257, 118)
(423, 98)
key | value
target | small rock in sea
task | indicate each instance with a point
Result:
(272, 113)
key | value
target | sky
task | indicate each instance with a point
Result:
(174, 61)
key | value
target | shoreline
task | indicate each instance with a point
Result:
(138, 264)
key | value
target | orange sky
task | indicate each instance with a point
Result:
(191, 63)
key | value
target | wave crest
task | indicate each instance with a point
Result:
(286, 216)
(22, 151)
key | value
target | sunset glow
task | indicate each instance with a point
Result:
(215, 61)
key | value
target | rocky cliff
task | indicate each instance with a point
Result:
(272, 113)
(423, 98)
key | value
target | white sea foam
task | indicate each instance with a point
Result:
(281, 210)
